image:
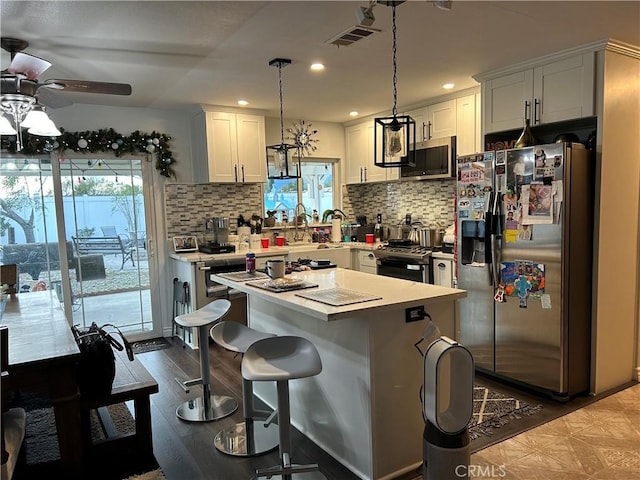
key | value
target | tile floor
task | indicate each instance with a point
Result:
(600, 441)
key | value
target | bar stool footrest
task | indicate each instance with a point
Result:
(291, 470)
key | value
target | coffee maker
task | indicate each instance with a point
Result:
(216, 236)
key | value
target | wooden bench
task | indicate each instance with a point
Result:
(89, 245)
(132, 382)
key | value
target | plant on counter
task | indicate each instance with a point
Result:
(335, 213)
(270, 221)
(301, 217)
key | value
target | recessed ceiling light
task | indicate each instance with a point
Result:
(317, 66)
(448, 86)
(243, 102)
(353, 114)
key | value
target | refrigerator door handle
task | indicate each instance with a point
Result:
(496, 238)
(488, 237)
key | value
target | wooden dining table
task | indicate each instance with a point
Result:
(43, 356)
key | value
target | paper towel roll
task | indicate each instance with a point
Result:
(336, 232)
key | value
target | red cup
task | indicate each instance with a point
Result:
(369, 237)
(280, 241)
(264, 242)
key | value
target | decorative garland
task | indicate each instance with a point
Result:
(103, 140)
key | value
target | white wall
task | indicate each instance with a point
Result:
(330, 136)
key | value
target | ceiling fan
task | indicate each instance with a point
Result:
(21, 92)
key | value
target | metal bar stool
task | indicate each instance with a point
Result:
(208, 407)
(257, 434)
(281, 359)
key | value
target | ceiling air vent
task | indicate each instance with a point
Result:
(352, 35)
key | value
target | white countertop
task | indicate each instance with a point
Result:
(269, 252)
(395, 293)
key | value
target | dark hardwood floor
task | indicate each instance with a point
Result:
(185, 450)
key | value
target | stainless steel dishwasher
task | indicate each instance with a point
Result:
(207, 290)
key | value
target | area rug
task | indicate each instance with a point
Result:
(493, 410)
(41, 439)
(153, 475)
(145, 346)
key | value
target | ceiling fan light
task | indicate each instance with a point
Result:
(35, 117)
(5, 126)
(45, 129)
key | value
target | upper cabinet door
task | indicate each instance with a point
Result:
(505, 100)
(359, 151)
(441, 120)
(222, 146)
(251, 149)
(466, 131)
(564, 90)
(355, 150)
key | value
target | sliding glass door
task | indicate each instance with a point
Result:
(103, 268)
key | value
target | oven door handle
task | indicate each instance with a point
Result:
(387, 262)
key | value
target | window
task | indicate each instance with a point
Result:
(315, 190)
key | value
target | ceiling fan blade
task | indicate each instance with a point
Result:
(51, 99)
(28, 65)
(85, 86)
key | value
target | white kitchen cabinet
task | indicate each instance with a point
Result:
(366, 261)
(435, 121)
(467, 125)
(442, 272)
(234, 147)
(551, 92)
(441, 120)
(359, 151)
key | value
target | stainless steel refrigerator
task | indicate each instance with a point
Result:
(524, 254)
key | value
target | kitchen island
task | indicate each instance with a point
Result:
(364, 408)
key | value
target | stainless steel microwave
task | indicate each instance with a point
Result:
(435, 158)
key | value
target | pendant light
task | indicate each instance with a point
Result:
(281, 164)
(394, 137)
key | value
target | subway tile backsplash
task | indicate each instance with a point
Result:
(428, 201)
(187, 205)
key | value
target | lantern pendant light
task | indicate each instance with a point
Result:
(394, 137)
(281, 163)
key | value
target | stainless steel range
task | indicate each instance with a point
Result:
(403, 259)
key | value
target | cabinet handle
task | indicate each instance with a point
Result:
(242, 167)
(371, 255)
(361, 180)
(441, 265)
(536, 105)
(423, 127)
(365, 173)
(429, 131)
(235, 171)
(527, 105)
